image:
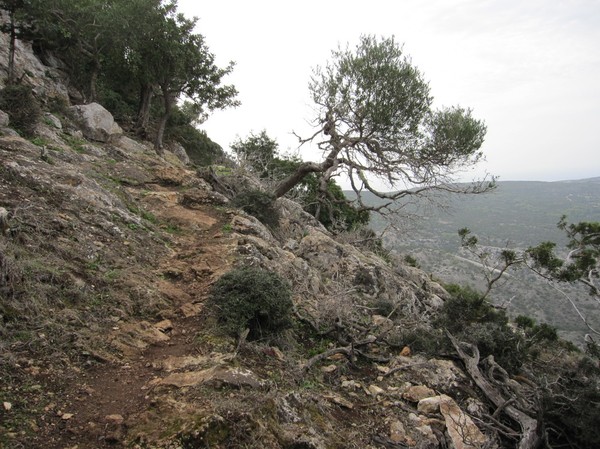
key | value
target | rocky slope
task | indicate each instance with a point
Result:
(107, 257)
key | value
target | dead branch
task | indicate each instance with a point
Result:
(403, 367)
(529, 426)
(346, 350)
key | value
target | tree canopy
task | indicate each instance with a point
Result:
(375, 122)
(126, 52)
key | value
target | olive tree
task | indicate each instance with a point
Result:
(375, 122)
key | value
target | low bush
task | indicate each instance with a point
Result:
(472, 319)
(254, 299)
(21, 106)
(260, 205)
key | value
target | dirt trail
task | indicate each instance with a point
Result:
(98, 405)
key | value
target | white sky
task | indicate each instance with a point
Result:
(529, 68)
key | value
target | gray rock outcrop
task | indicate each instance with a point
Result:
(96, 122)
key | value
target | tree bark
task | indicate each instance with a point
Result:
(93, 81)
(168, 102)
(143, 116)
(529, 426)
(308, 167)
(288, 183)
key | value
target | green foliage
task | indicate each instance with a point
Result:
(255, 299)
(411, 261)
(21, 106)
(428, 341)
(375, 118)
(260, 205)
(123, 52)
(470, 318)
(572, 409)
(258, 152)
(201, 150)
(467, 305)
(525, 322)
(583, 261)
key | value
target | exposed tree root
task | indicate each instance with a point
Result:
(530, 439)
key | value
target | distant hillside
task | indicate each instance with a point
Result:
(517, 214)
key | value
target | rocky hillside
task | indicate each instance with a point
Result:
(111, 337)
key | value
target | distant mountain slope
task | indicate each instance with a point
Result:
(516, 214)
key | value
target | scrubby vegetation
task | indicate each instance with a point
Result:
(254, 299)
(260, 205)
(22, 107)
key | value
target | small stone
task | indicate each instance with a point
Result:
(379, 320)
(114, 419)
(406, 352)
(7, 406)
(383, 369)
(397, 432)
(351, 384)
(67, 416)
(339, 401)
(418, 392)
(375, 390)
(190, 309)
(329, 368)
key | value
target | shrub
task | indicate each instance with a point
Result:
(21, 106)
(411, 261)
(524, 322)
(472, 319)
(465, 306)
(260, 205)
(252, 298)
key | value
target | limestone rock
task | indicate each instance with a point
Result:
(376, 390)
(177, 149)
(398, 433)
(46, 81)
(131, 146)
(164, 325)
(52, 120)
(418, 392)
(461, 428)
(98, 124)
(329, 369)
(429, 405)
(114, 419)
(235, 377)
(339, 400)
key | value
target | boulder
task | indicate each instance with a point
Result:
(97, 123)
(461, 428)
(177, 149)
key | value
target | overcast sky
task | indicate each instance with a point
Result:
(529, 68)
